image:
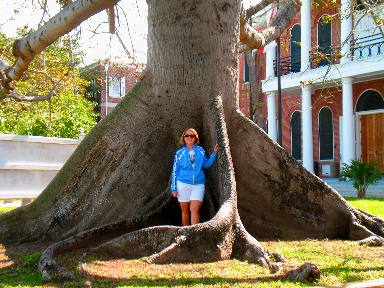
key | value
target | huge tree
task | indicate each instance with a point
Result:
(114, 191)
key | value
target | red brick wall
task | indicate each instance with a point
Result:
(243, 87)
(315, 16)
(331, 98)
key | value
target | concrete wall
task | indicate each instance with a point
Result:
(28, 163)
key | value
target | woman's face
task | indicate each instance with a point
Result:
(189, 137)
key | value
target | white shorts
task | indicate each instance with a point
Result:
(188, 192)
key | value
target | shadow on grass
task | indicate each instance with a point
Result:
(20, 269)
(183, 281)
(18, 264)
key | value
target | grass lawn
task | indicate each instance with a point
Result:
(339, 262)
(6, 209)
(374, 206)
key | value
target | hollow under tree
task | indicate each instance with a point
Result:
(114, 193)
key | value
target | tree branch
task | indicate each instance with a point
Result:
(255, 39)
(25, 49)
(111, 19)
(256, 8)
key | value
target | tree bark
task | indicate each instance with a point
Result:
(113, 193)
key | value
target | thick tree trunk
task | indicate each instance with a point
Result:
(114, 190)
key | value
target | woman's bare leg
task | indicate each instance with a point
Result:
(195, 211)
(185, 213)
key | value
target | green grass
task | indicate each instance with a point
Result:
(6, 209)
(371, 205)
(339, 262)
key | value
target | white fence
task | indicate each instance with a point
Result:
(28, 164)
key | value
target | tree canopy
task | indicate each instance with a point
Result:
(65, 109)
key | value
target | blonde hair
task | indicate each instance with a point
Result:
(194, 132)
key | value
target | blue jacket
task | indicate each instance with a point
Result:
(182, 167)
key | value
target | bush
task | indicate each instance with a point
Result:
(362, 174)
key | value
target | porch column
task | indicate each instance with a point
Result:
(346, 30)
(305, 34)
(270, 57)
(306, 126)
(271, 106)
(348, 149)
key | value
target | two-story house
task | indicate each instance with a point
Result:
(332, 86)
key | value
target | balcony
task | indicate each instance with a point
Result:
(319, 57)
(369, 46)
(361, 48)
(288, 65)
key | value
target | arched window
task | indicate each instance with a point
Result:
(324, 39)
(370, 100)
(326, 134)
(296, 135)
(296, 48)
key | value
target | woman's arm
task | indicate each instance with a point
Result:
(208, 162)
(175, 172)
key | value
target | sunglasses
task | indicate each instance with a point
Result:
(189, 135)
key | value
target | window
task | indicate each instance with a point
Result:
(296, 135)
(326, 134)
(116, 87)
(370, 100)
(295, 48)
(324, 39)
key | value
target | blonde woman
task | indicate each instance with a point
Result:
(188, 179)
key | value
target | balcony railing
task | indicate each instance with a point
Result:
(372, 45)
(363, 47)
(288, 65)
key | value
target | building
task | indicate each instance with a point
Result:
(109, 83)
(332, 87)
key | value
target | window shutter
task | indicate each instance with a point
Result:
(296, 135)
(326, 134)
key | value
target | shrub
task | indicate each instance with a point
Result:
(362, 174)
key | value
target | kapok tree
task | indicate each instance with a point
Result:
(113, 193)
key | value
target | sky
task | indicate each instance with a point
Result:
(102, 45)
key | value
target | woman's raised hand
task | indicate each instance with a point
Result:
(216, 148)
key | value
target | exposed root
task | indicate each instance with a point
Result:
(47, 266)
(307, 272)
(164, 255)
(372, 241)
(247, 248)
(358, 231)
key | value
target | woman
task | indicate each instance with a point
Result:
(188, 177)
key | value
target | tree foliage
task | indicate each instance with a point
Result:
(362, 174)
(68, 110)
